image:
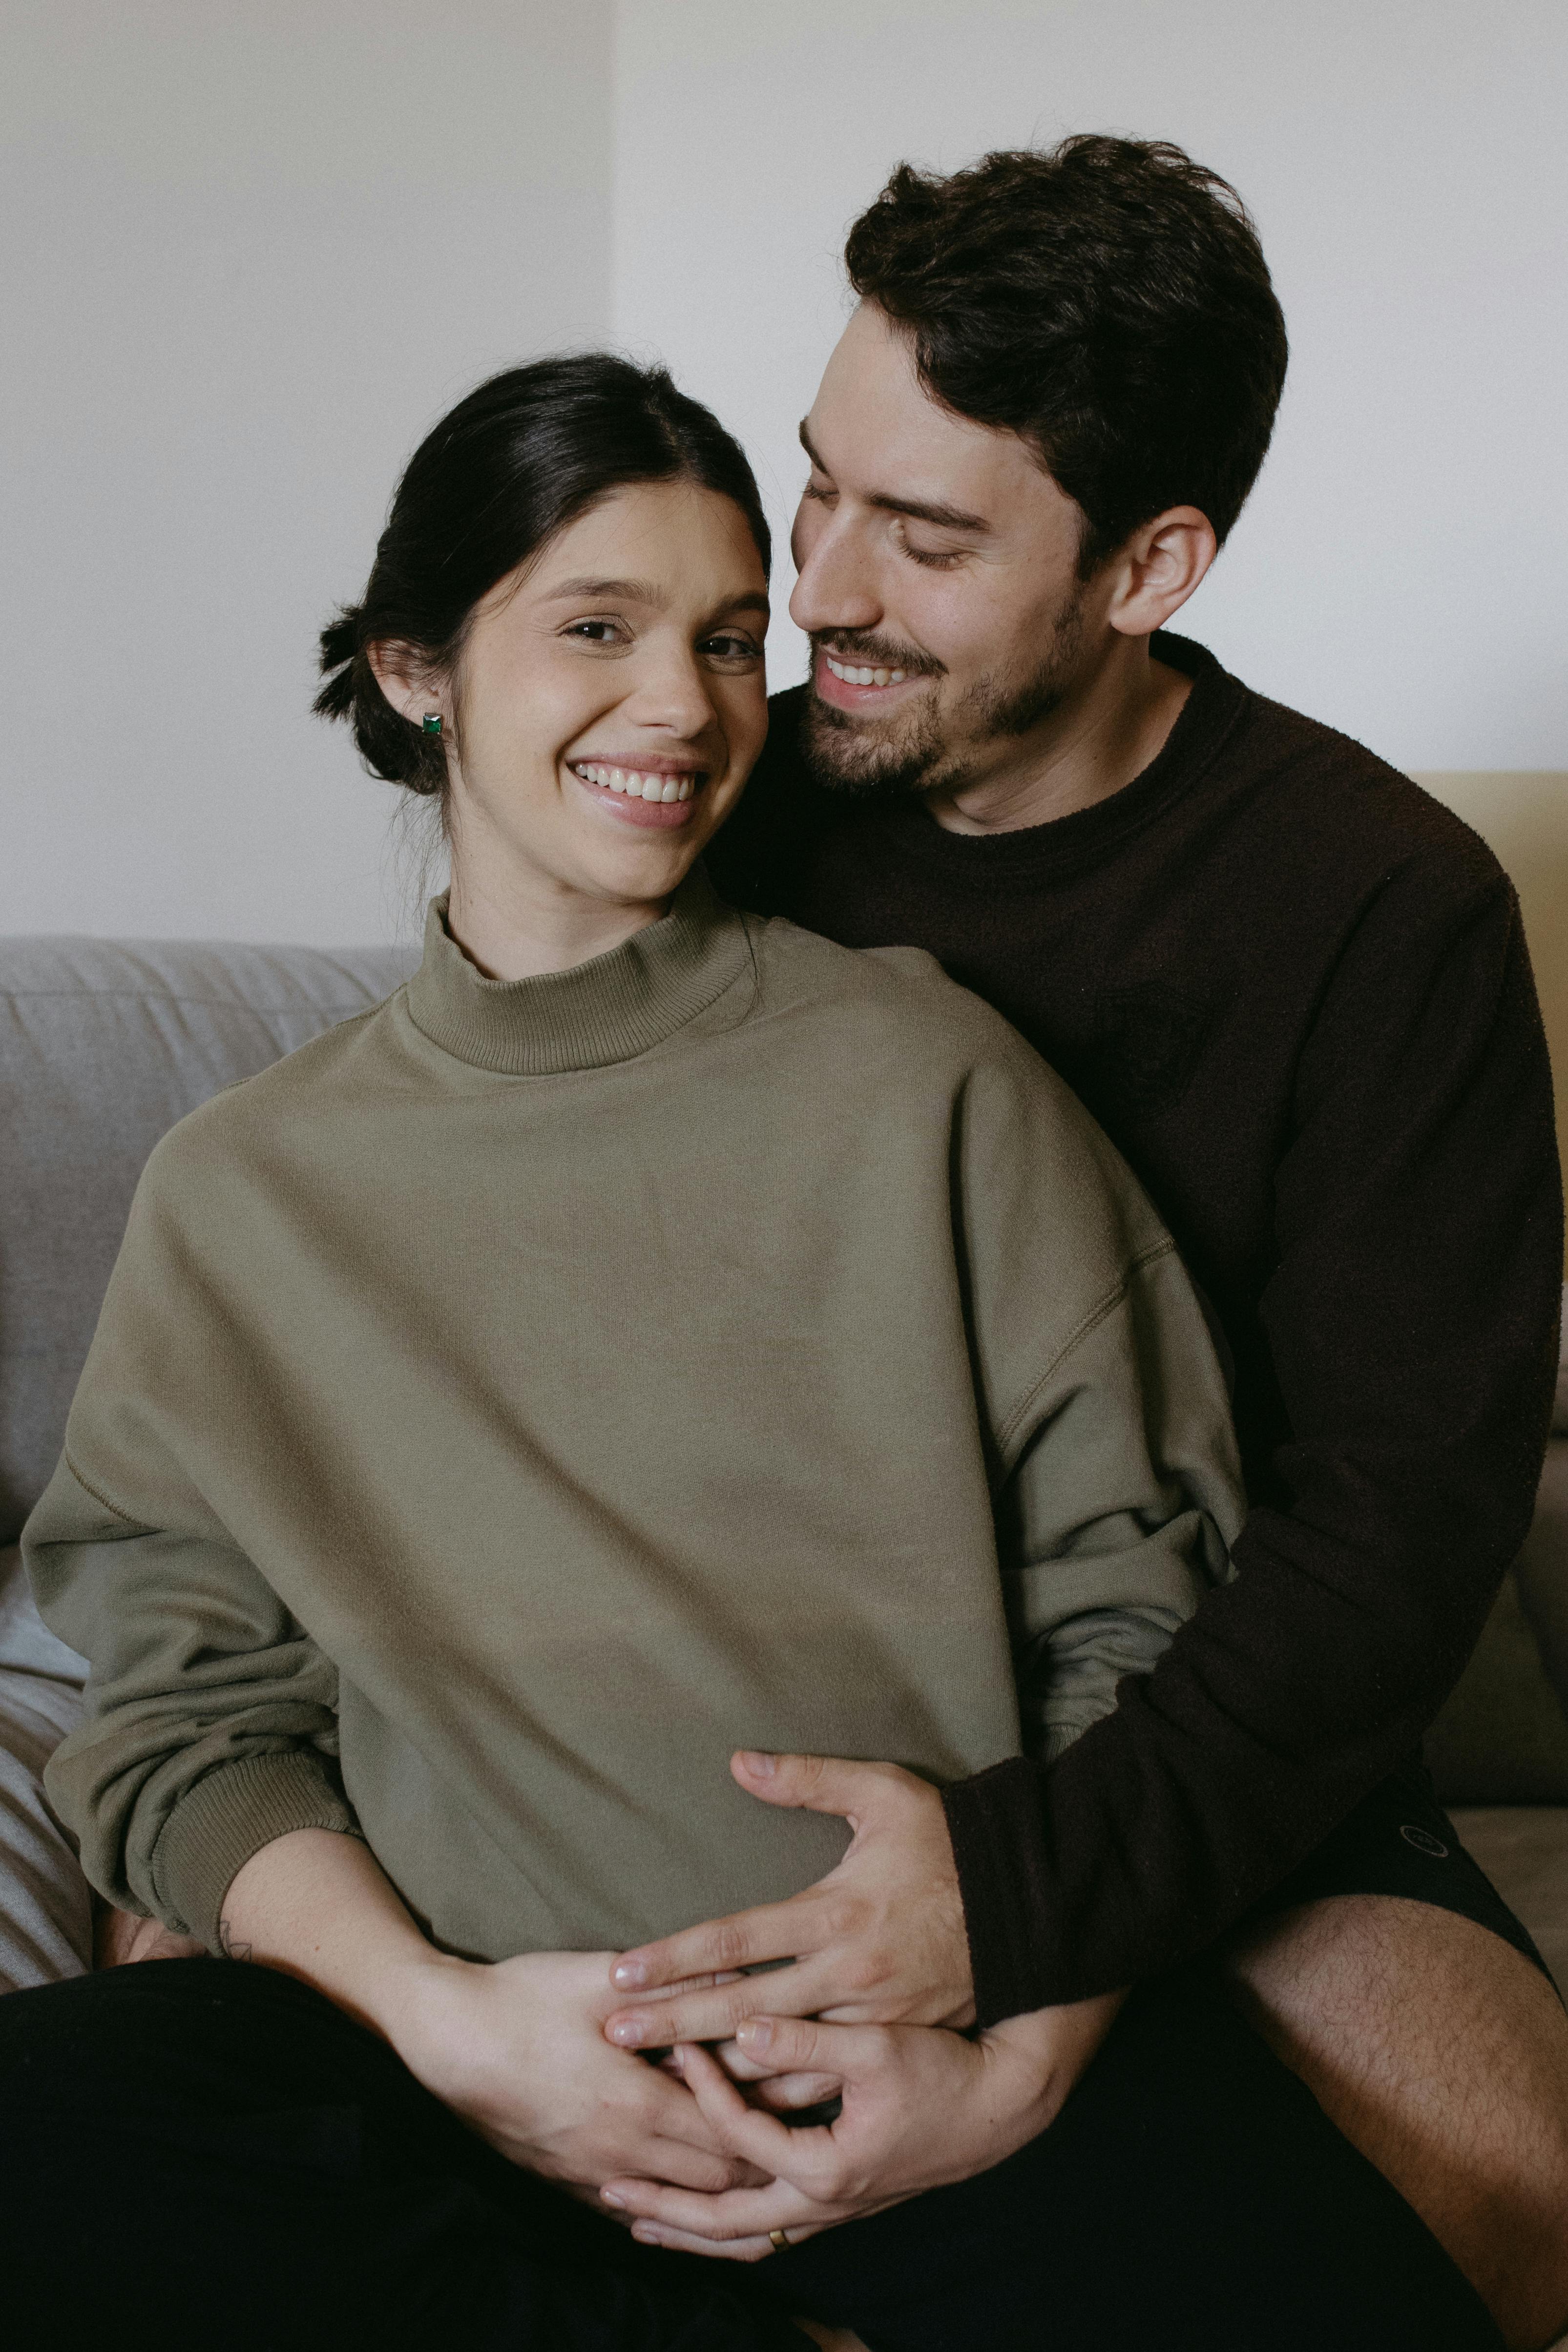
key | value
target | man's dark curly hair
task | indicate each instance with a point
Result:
(1107, 300)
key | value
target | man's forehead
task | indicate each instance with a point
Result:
(877, 431)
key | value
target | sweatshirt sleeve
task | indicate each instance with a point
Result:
(210, 1724)
(1115, 1466)
(1115, 1522)
(1411, 1315)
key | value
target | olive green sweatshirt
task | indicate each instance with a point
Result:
(527, 1393)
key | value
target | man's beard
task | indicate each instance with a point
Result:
(927, 748)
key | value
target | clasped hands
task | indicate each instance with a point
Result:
(867, 2011)
(543, 2054)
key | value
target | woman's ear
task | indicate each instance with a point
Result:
(404, 680)
(1160, 565)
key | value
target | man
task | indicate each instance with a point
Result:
(1295, 992)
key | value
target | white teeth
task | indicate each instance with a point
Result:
(634, 785)
(861, 677)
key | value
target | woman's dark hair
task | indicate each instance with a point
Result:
(1108, 300)
(523, 456)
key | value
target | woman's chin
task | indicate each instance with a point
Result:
(646, 864)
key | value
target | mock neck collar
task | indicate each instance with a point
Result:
(609, 1010)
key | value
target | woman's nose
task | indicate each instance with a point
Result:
(673, 693)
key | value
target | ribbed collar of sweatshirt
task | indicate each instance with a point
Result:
(609, 1010)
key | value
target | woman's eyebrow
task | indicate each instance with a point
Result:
(628, 591)
(647, 591)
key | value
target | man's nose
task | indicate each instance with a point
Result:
(835, 587)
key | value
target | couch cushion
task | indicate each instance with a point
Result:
(1502, 1738)
(1524, 1851)
(103, 1045)
(1543, 1570)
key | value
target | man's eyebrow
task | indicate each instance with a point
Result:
(944, 518)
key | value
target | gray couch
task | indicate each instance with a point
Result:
(104, 1045)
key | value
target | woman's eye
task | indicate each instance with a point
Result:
(731, 648)
(597, 633)
(819, 490)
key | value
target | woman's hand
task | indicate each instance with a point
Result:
(517, 2049)
(920, 2106)
(123, 1939)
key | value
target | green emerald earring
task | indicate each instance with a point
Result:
(432, 722)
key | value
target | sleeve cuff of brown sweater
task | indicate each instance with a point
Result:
(230, 1814)
(1016, 1907)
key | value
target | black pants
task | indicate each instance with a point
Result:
(194, 2151)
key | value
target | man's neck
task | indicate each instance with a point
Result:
(1107, 731)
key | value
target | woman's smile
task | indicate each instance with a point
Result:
(643, 788)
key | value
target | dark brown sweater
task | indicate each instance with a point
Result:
(1295, 992)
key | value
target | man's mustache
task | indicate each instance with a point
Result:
(868, 651)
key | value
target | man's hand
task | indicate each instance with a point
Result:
(880, 1940)
(920, 2107)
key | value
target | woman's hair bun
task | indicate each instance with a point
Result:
(339, 644)
(391, 746)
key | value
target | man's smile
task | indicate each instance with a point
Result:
(864, 677)
(861, 686)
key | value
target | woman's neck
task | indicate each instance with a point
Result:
(517, 927)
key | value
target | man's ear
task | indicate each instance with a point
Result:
(1159, 568)
(403, 677)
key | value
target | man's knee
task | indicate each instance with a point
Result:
(1442, 2052)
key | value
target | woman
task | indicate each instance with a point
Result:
(652, 1333)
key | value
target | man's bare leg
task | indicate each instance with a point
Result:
(1443, 2055)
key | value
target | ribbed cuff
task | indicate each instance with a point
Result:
(228, 1816)
(998, 1847)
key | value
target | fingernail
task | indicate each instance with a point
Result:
(760, 1766)
(610, 2198)
(628, 2031)
(644, 2236)
(754, 2033)
(629, 1972)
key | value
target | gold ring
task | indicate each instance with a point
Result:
(778, 2240)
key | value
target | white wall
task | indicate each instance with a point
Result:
(250, 253)
(1398, 570)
